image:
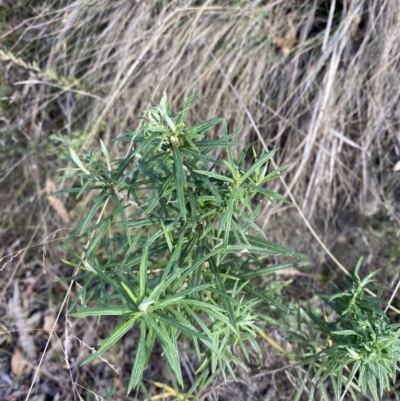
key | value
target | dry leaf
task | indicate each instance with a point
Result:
(50, 186)
(56, 203)
(397, 166)
(17, 362)
(34, 319)
(48, 322)
(289, 41)
(355, 31)
(39, 397)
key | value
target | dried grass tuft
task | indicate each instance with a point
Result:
(320, 81)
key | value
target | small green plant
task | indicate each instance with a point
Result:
(361, 351)
(174, 245)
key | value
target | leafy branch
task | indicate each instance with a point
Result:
(175, 252)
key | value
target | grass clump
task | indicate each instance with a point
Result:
(175, 245)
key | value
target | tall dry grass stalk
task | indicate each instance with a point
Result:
(319, 78)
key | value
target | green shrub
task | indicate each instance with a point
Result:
(359, 349)
(174, 246)
(170, 245)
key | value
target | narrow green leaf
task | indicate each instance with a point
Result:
(190, 331)
(193, 208)
(211, 188)
(74, 190)
(143, 272)
(228, 149)
(172, 264)
(140, 222)
(109, 310)
(275, 173)
(105, 153)
(113, 338)
(215, 175)
(250, 223)
(221, 287)
(89, 216)
(100, 234)
(129, 292)
(131, 246)
(344, 332)
(121, 212)
(140, 360)
(259, 163)
(111, 282)
(181, 276)
(217, 143)
(199, 253)
(242, 155)
(169, 346)
(269, 194)
(301, 387)
(266, 299)
(211, 310)
(180, 181)
(269, 270)
(182, 115)
(209, 342)
(196, 156)
(179, 296)
(226, 220)
(203, 127)
(167, 236)
(77, 161)
(151, 338)
(261, 245)
(198, 387)
(362, 380)
(164, 284)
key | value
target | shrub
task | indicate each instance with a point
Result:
(175, 246)
(359, 349)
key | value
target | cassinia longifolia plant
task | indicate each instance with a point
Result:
(358, 348)
(175, 248)
(170, 247)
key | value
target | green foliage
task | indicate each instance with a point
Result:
(362, 348)
(170, 244)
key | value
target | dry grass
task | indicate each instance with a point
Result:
(318, 80)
